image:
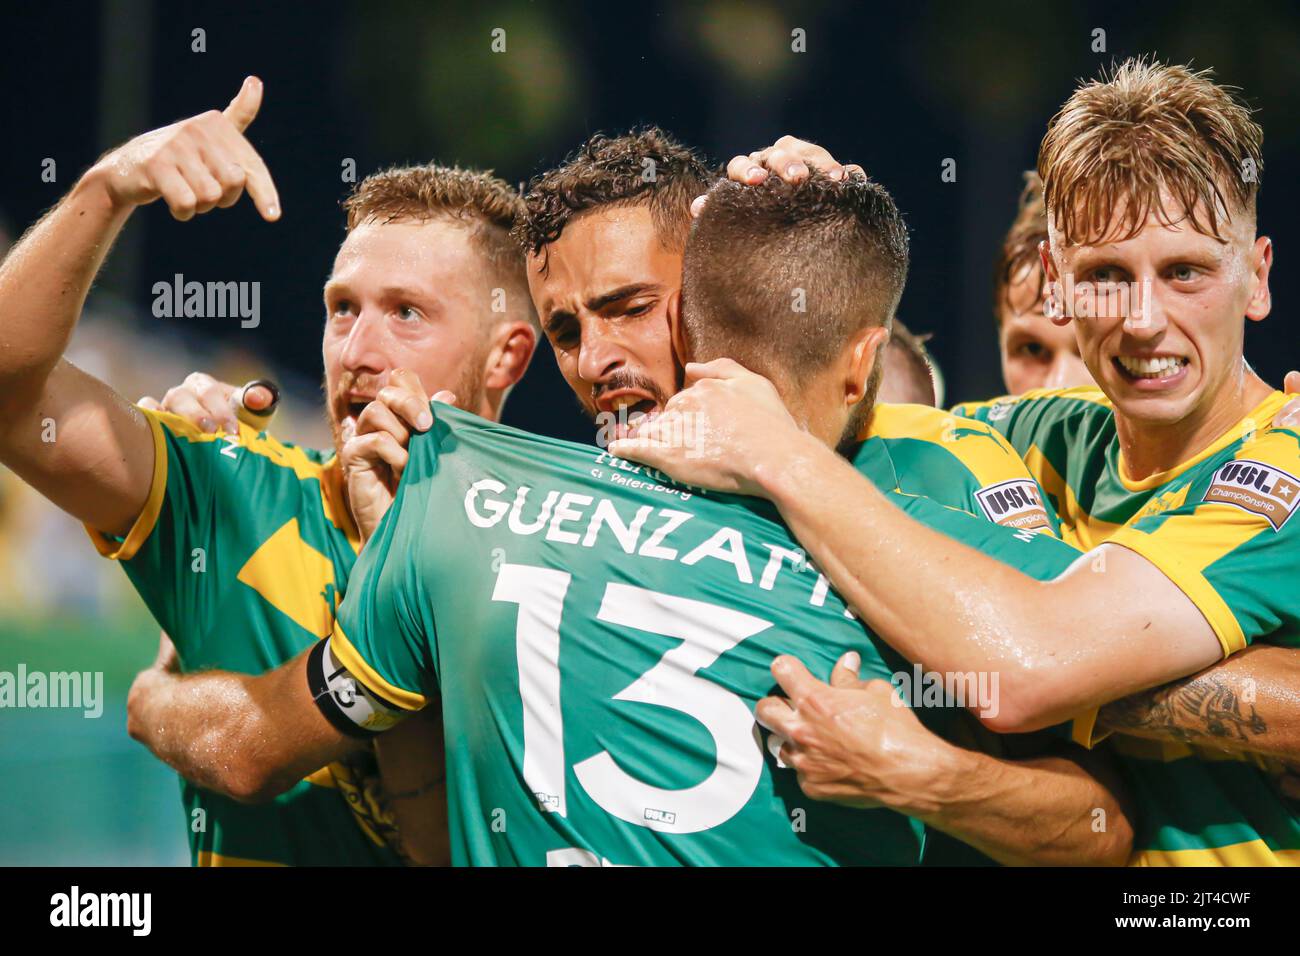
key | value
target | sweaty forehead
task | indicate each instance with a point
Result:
(601, 250)
(1167, 226)
(423, 255)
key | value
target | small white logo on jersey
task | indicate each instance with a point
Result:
(232, 443)
(1257, 488)
(1014, 504)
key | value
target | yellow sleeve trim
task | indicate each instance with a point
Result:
(347, 655)
(1084, 730)
(208, 858)
(1191, 582)
(144, 524)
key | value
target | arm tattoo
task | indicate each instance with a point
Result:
(1206, 709)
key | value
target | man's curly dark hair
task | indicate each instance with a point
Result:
(642, 166)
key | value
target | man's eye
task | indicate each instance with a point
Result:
(1183, 273)
(342, 308)
(563, 336)
(636, 310)
(1033, 350)
(407, 313)
(1105, 274)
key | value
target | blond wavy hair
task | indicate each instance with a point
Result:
(1149, 137)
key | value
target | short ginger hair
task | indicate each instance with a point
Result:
(487, 206)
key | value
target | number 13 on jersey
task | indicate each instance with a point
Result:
(706, 631)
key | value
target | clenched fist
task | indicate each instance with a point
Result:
(194, 165)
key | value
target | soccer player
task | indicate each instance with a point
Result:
(1036, 352)
(1173, 473)
(548, 592)
(605, 246)
(240, 545)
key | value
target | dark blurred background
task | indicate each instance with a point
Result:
(898, 90)
(386, 81)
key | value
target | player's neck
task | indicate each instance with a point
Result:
(1147, 449)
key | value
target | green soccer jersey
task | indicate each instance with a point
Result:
(1221, 527)
(599, 636)
(960, 464)
(241, 553)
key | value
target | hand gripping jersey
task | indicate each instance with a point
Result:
(599, 636)
(242, 553)
(1222, 528)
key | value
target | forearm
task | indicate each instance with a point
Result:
(44, 282)
(1058, 647)
(1045, 811)
(977, 614)
(68, 435)
(1249, 703)
(221, 730)
(412, 767)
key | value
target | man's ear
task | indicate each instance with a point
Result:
(677, 330)
(1053, 284)
(1261, 299)
(866, 348)
(512, 349)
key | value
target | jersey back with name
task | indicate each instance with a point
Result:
(599, 636)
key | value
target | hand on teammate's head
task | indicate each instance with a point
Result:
(789, 158)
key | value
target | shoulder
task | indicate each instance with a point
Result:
(1080, 400)
(262, 447)
(979, 470)
(981, 448)
(1261, 478)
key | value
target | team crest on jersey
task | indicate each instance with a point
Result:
(1014, 504)
(1258, 488)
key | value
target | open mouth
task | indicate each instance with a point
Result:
(1156, 369)
(352, 407)
(628, 408)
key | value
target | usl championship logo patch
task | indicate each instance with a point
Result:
(1015, 504)
(1258, 488)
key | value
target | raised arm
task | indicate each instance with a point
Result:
(67, 434)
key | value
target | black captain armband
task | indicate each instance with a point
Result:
(345, 702)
